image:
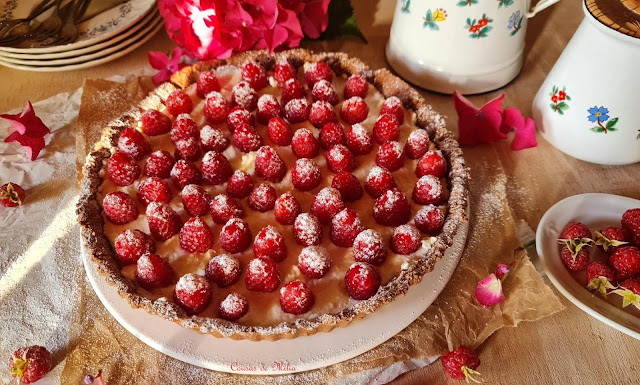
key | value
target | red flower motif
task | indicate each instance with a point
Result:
(29, 130)
(474, 28)
(562, 95)
(554, 98)
(483, 22)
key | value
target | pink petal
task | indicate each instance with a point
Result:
(315, 18)
(158, 60)
(488, 292)
(27, 123)
(176, 58)
(32, 146)
(525, 137)
(491, 118)
(512, 120)
(503, 269)
(475, 125)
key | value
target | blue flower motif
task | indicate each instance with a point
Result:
(598, 114)
(513, 20)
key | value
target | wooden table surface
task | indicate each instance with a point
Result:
(568, 347)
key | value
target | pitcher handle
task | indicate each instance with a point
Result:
(542, 4)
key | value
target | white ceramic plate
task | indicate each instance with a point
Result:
(595, 211)
(95, 30)
(282, 356)
(90, 63)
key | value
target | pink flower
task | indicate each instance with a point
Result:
(166, 66)
(481, 125)
(488, 292)
(314, 15)
(29, 130)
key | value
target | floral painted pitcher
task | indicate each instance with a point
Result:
(471, 46)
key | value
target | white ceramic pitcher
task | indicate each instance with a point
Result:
(471, 46)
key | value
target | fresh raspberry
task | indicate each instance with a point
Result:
(193, 293)
(348, 185)
(155, 123)
(152, 271)
(216, 168)
(316, 72)
(577, 262)
(428, 191)
(223, 270)
(255, 74)
(223, 208)
(154, 189)
(354, 110)
(323, 90)
(270, 243)
(216, 108)
(393, 106)
(460, 363)
(269, 165)
(178, 103)
(238, 116)
(262, 275)
(390, 156)
(244, 96)
(239, 184)
(305, 174)
(417, 144)
(188, 149)
(185, 172)
(268, 108)
(339, 159)
(207, 83)
(29, 364)
(119, 208)
(195, 200)
(322, 113)
(130, 245)
(369, 247)
(297, 110)
(307, 230)
(122, 169)
(609, 238)
(575, 230)
(600, 277)
(233, 307)
(359, 140)
(631, 224)
(378, 181)
(432, 163)
(406, 239)
(304, 144)
(429, 220)
(392, 208)
(286, 209)
(263, 198)
(326, 204)
(159, 164)
(164, 223)
(362, 281)
(283, 72)
(345, 227)
(133, 143)
(196, 236)
(386, 128)
(332, 133)
(246, 138)
(292, 89)
(213, 139)
(314, 261)
(296, 297)
(356, 86)
(184, 128)
(235, 236)
(279, 131)
(631, 284)
(625, 261)
(11, 195)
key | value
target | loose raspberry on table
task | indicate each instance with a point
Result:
(393, 106)
(213, 139)
(196, 236)
(216, 108)
(153, 271)
(270, 243)
(304, 144)
(460, 364)
(255, 74)
(339, 159)
(406, 239)
(130, 245)
(29, 364)
(233, 307)
(417, 144)
(386, 129)
(195, 200)
(119, 207)
(348, 186)
(392, 208)
(207, 83)
(356, 85)
(314, 261)
(279, 131)
(296, 297)
(133, 143)
(323, 90)
(432, 163)
(378, 181)
(429, 220)
(369, 247)
(159, 164)
(269, 165)
(345, 227)
(238, 116)
(185, 172)
(362, 281)
(164, 223)
(428, 191)
(155, 123)
(283, 72)
(631, 224)
(292, 89)
(575, 261)
(239, 184)
(316, 72)
(178, 102)
(305, 175)
(122, 169)
(268, 108)
(154, 189)
(390, 156)
(188, 149)
(286, 209)
(223, 270)
(625, 260)
(322, 113)
(297, 110)
(11, 195)
(359, 140)
(193, 293)
(244, 96)
(326, 204)
(262, 275)
(223, 208)
(246, 138)
(263, 198)
(332, 133)
(216, 168)
(354, 110)
(307, 230)
(235, 236)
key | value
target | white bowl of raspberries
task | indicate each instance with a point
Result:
(589, 245)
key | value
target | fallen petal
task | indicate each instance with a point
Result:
(512, 120)
(475, 125)
(525, 137)
(32, 146)
(488, 292)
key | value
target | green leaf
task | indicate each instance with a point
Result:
(612, 129)
(562, 105)
(553, 106)
(462, 3)
(520, 22)
(612, 122)
(469, 22)
(486, 30)
(434, 26)
(473, 36)
(597, 129)
(342, 21)
(638, 137)
(567, 97)
(560, 111)
(513, 32)
(565, 107)
(554, 90)
(429, 16)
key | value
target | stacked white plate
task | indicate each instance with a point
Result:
(105, 37)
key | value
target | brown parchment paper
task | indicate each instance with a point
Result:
(97, 341)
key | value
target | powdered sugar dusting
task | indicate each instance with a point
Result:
(191, 283)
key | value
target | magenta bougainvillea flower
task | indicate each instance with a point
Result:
(29, 130)
(165, 65)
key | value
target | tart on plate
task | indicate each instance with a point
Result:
(272, 196)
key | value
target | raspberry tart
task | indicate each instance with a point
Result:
(272, 196)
